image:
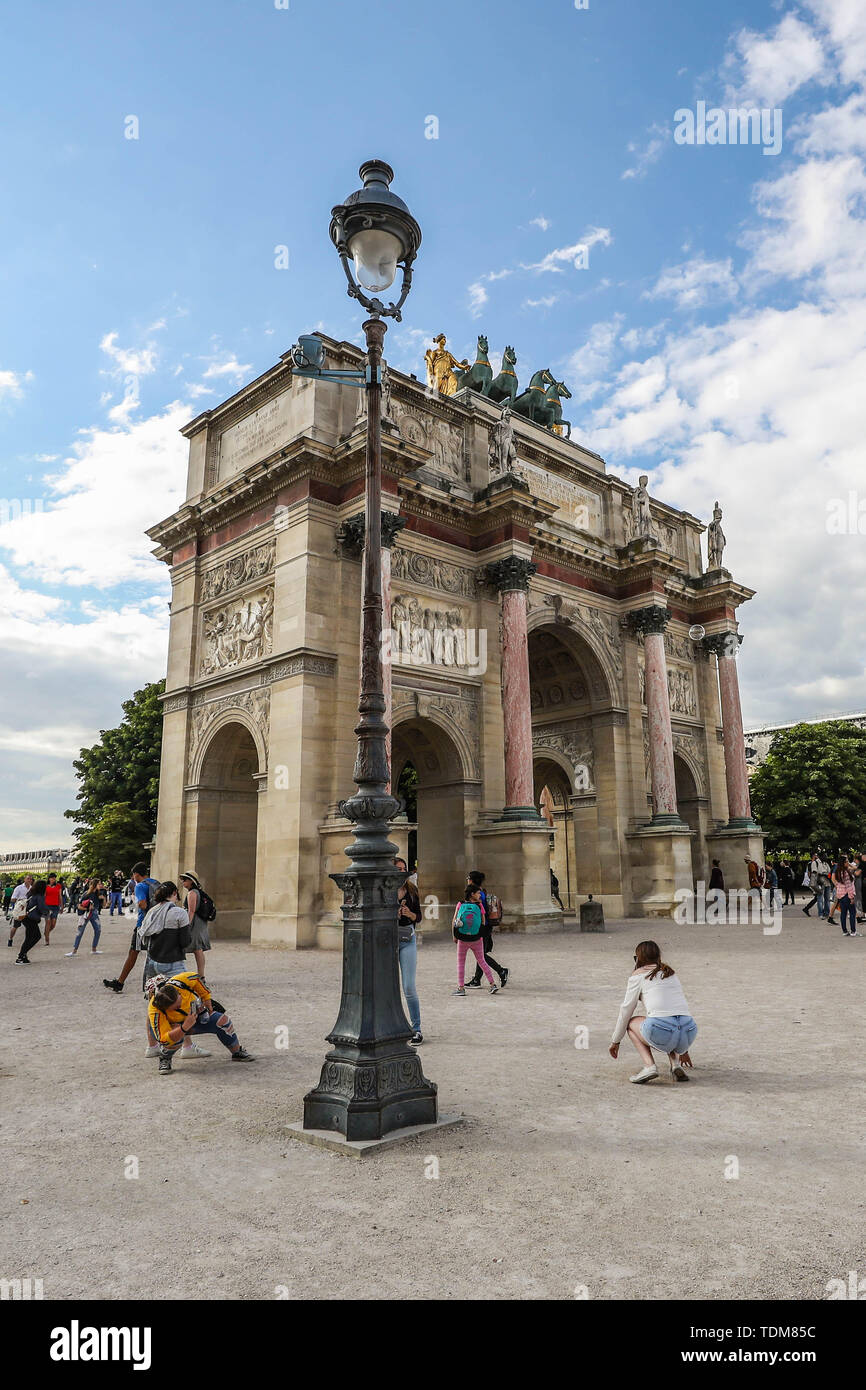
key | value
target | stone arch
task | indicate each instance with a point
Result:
(207, 723)
(587, 651)
(688, 789)
(221, 831)
(446, 799)
(423, 712)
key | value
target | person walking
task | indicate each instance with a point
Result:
(115, 895)
(668, 1025)
(408, 917)
(88, 908)
(201, 911)
(7, 897)
(717, 878)
(491, 909)
(844, 883)
(554, 889)
(819, 884)
(182, 1005)
(771, 883)
(467, 927)
(74, 892)
(20, 894)
(786, 882)
(53, 904)
(34, 907)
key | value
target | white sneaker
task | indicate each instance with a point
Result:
(193, 1051)
(72, 953)
(647, 1074)
(152, 1051)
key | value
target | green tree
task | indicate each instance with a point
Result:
(811, 790)
(114, 842)
(123, 767)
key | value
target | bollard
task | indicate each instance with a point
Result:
(591, 916)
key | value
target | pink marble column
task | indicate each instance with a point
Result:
(511, 576)
(725, 645)
(354, 533)
(651, 623)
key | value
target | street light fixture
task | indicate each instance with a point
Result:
(371, 1082)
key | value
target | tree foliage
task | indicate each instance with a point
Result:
(123, 767)
(811, 790)
(114, 842)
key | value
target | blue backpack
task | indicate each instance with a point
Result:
(468, 919)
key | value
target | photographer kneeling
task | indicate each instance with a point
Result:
(182, 1005)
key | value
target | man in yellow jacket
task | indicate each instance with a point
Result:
(182, 1004)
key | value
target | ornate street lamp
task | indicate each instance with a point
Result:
(371, 1082)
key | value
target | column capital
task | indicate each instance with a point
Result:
(510, 573)
(644, 621)
(351, 532)
(722, 643)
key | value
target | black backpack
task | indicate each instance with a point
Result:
(206, 910)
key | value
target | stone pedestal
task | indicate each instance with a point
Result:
(661, 864)
(515, 856)
(732, 846)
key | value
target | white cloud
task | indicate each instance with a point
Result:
(835, 130)
(572, 255)
(540, 222)
(12, 384)
(228, 367)
(115, 483)
(544, 303)
(647, 155)
(695, 282)
(478, 297)
(765, 69)
(129, 361)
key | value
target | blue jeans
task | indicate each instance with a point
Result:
(823, 903)
(115, 900)
(848, 908)
(93, 919)
(207, 1023)
(674, 1034)
(408, 951)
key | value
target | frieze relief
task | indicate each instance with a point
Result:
(668, 536)
(237, 632)
(444, 440)
(241, 569)
(410, 566)
(431, 637)
(681, 688)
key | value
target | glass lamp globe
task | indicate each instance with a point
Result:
(375, 253)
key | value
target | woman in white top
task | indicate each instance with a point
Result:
(668, 1026)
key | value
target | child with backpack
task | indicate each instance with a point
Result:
(467, 927)
(491, 914)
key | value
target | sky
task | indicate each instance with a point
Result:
(157, 158)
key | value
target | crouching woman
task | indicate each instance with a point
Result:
(668, 1026)
(182, 1005)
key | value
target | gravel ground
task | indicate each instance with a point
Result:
(564, 1175)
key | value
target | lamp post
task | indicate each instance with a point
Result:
(371, 1082)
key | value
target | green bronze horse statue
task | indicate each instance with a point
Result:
(540, 402)
(504, 387)
(480, 374)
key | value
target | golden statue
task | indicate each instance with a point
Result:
(440, 367)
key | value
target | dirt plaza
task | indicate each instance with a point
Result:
(565, 1180)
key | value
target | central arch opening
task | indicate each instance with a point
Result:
(227, 829)
(426, 764)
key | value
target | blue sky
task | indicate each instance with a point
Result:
(715, 338)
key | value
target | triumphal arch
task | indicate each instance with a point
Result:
(618, 760)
